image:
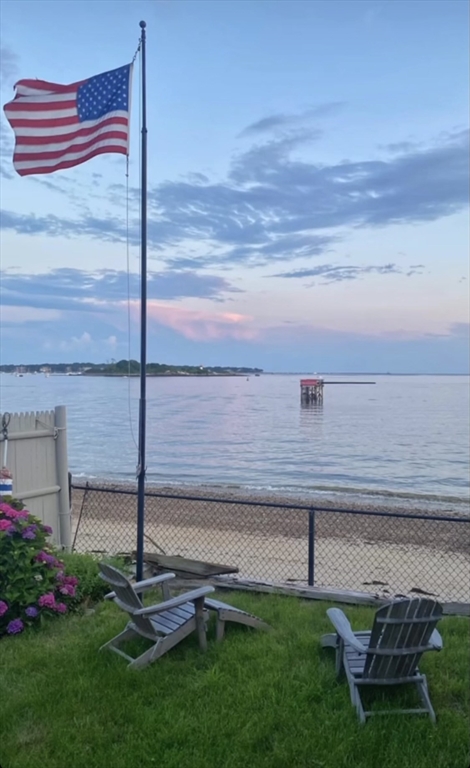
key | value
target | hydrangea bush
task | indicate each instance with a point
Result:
(33, 583)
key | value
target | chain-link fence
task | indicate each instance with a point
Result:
(386, 553)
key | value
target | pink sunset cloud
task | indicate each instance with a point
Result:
(202, 325)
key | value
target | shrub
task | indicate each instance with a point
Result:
(33, 582)
(91, 588)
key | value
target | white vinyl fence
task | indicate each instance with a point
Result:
(37, 459)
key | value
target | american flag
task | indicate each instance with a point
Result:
(59, 126)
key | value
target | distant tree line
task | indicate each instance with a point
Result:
(129, 367)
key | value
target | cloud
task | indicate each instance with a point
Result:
(6, 150)
(179, 335)
(202, 326)
(77, 290)
(107, 229)
(284, 120)
(20, 315)
(8, 65)
(8, 74)
(275, 205)
(401, 147)
(112, 341)
(460, 330)
(331, 273)
(77, 342)
(85, 342)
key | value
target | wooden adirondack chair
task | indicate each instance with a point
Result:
(165, 624)
(388, 655)
(223, 611)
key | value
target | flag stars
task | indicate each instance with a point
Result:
(104, 93)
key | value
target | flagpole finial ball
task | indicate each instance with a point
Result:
(142, 24)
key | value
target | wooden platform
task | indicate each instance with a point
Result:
(184, 568)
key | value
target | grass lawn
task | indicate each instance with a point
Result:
(255, 700)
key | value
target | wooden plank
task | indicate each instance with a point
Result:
(171, 620)
(290, 590)
(183, 565)
(160, 627)
(350, 597)
(386, 636)
(185, 612)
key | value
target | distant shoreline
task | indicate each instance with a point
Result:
(239, 374)
(160, 375)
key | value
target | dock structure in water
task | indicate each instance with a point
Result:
(311, 390)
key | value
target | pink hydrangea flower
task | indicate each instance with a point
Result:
(3, 607)
(47, 600)
(60, 607)
(13, 514)
(67, 589)
(63, 579)
(5, 525)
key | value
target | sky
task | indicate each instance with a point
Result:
(307, 187)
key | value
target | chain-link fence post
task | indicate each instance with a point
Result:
(311, 547)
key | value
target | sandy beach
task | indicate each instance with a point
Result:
(382, 555)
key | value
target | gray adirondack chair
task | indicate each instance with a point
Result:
(388, 655)
(164, 624)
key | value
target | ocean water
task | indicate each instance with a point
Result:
(406, 437)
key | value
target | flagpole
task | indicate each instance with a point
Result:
(141, 469)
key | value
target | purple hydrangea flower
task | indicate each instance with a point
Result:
(47, 529)
(29, 532)
(15, 626)
(31, 611)
(49, 560)
(60, 607)
(3, 607)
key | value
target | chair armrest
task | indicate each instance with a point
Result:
(343, 628)
(175, 601)
(142, 586)
(435, 641)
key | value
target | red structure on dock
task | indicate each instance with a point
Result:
(311, 390)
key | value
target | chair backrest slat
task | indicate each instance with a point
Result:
(419, 635)
(402, 627)
(128, 599)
